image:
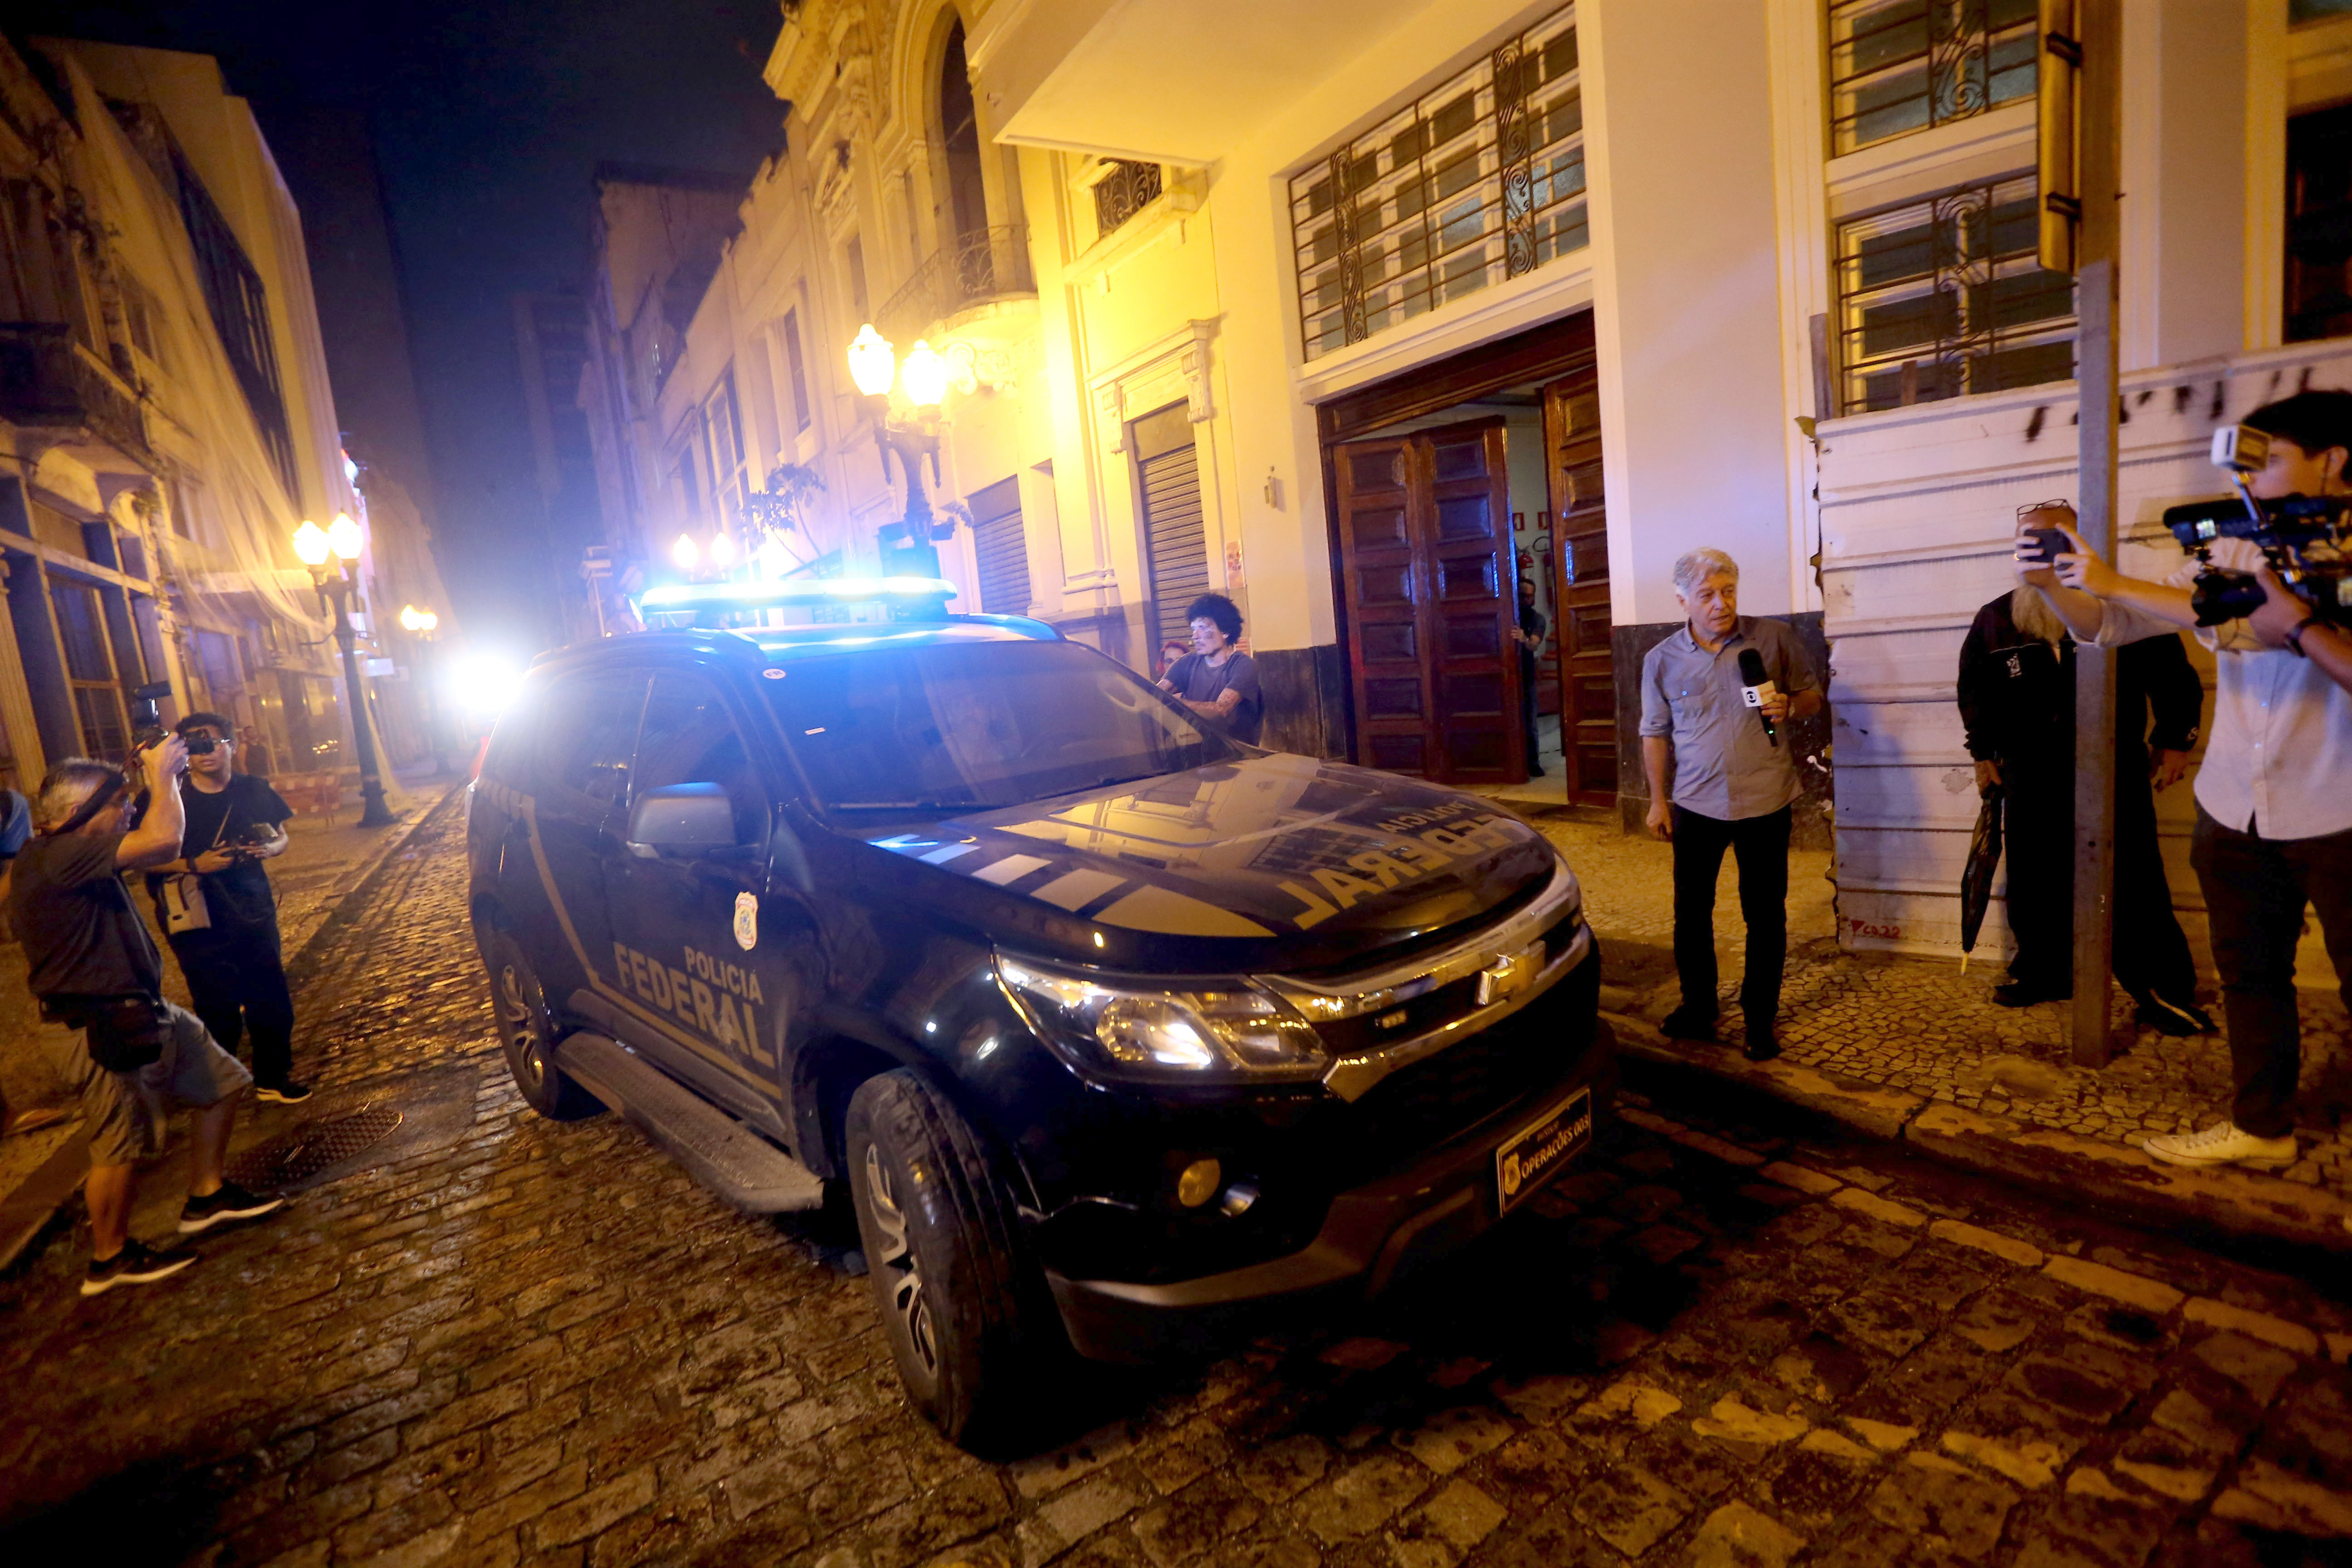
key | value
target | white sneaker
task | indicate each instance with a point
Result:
(2224, 1144)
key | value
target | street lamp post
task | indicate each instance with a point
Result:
(314, 544)
(420, 624)
(874, 365)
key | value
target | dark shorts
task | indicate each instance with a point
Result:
(124, 1112)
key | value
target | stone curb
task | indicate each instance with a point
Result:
(2064, 1167)
(25, 1211)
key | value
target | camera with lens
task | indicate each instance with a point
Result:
(2307, 539)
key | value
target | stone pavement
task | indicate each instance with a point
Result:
(1913, 1033)
(1726, 1338)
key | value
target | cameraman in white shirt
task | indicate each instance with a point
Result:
(2274, 794)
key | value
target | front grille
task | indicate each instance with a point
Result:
(1421, 1106)
(1370, 1031)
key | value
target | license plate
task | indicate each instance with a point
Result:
(1534, 1155)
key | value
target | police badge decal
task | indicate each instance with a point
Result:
(747, 921)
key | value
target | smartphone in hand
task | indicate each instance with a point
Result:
(2043, 546)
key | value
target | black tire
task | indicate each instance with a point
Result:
(968, 1318)
(526, 1030)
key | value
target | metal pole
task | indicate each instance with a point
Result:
(373, 813)
(2096, 374)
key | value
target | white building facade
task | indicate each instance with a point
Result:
(1361, 313)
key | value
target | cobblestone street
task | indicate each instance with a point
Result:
(1728, 1339)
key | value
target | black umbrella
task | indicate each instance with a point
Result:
(1976, 881)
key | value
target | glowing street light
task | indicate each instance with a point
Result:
(335, 584)
(871, 362)
(416, 620)
(685, 553)
(722, 549)
(924, 374)
(311, 543)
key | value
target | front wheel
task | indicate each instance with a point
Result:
(527, 1033)
(966, 1313)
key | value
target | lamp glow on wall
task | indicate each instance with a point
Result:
(416, 620)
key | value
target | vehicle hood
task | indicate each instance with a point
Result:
(1273, 862)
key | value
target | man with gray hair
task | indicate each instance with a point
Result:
(90, 959)
(1722, 776)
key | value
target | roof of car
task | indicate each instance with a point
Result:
(826, 638)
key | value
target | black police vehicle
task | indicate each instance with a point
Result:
(1114, 1029)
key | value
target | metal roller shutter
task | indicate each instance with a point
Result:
(1175, 537)
(1002, 547)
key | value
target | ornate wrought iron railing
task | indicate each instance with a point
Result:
(48, 379)
(986, 264)
(1900, 65)
(1945, 297)
(1126, 191)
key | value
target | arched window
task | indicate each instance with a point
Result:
(960, 138)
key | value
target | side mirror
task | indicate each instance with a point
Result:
(681, 819)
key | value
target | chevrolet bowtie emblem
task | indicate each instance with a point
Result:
(1510, 974)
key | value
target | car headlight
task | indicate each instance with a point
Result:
(1127, 1027)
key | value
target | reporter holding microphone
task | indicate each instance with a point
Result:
(1716, 697)
(2274, 796)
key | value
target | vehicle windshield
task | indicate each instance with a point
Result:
(967, 726)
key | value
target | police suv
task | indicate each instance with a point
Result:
(1114, 1029)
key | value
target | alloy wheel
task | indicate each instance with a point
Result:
(903, 1279)
(518, 1016)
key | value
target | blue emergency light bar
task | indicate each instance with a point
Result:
(720, 597)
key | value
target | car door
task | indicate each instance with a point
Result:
(689, 925)
(583, 739)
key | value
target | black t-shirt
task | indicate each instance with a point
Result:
(1196, 678)
(81, 935)
(239, 898)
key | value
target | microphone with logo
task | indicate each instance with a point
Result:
(1755, 687)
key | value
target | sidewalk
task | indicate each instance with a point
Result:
(1913, 1048)
(328, 858)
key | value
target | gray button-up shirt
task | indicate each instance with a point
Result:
(2278, 760)
(1724, 767)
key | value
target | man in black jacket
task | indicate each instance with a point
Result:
(2017, 705)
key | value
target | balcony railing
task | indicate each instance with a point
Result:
(47, 379)
(985, 265)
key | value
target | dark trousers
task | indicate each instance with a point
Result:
(2255, 890)
(1762, 845)
(2151, 953)
(236, 984)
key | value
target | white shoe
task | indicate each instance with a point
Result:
(2224, 1144)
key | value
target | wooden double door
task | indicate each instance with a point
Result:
(1429, 573)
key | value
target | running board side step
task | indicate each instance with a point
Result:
(717, 1151)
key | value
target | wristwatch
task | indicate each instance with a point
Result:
(2294, 638)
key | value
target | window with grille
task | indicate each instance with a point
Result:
(1124, 192)
(1900, 65)
(720, 418)
(1945, 297)
(1480, 180)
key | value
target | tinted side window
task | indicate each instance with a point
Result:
(587, 727)
(689, 738)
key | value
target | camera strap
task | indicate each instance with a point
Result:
(98, 802)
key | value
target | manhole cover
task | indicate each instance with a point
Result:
(311, 1148)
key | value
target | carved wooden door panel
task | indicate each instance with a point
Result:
(1587, 693)
(1426, 567)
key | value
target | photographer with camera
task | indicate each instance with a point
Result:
(95, 969)
(219, 912)
(2274, 812)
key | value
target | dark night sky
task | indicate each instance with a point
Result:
(488, 118)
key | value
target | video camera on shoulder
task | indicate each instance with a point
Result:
(2306, 539)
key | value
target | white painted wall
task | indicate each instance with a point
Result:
(1694, 410)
